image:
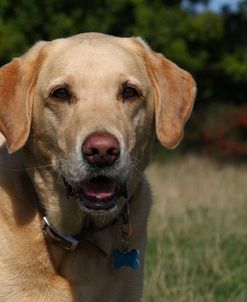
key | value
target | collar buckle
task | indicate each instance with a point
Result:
(68, 242)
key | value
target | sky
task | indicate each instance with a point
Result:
(215, 5)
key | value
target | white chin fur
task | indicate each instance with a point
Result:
(101, 218)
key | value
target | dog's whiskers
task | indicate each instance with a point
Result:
(26, 168)
(135, 160)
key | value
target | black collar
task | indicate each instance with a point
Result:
(70, 243)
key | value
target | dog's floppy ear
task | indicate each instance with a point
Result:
(17, 79)
(175, 92)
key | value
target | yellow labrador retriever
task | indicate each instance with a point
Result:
(78, 116)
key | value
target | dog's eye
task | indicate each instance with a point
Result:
(130, 93)
(61, 94)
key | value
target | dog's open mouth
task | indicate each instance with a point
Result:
(99, 193)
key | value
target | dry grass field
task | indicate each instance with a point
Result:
(197, 249)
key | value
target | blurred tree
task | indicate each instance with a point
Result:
(233, 62)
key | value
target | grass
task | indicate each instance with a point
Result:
(197, 249)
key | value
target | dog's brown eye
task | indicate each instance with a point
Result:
(130, 93)
(61, 94)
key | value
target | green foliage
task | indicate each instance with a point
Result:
(235, 65)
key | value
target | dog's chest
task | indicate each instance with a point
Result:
(92, 276)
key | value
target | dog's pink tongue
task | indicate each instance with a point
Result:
(100, 189)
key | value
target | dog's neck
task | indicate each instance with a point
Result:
(71, 243)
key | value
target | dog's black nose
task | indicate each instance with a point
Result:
(101, 149)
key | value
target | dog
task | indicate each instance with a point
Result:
(78, 117)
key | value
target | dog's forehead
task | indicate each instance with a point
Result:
(92, 57)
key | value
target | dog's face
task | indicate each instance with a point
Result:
(85, 107)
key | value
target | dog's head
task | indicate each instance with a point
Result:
(85, 108)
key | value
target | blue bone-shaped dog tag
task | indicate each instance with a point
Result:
(126, 258)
